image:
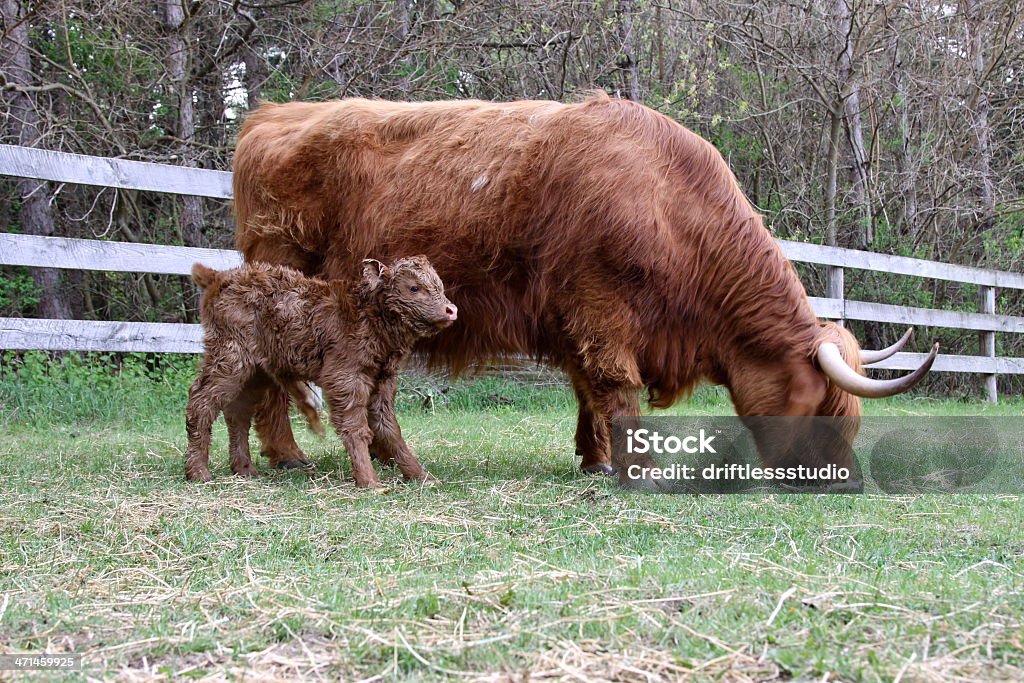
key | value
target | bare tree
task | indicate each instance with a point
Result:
(179, 71)
(976, 40)
(849, 95)
(23, 124)
(628, 52)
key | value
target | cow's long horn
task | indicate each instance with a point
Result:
(868, 357)
(846, 378)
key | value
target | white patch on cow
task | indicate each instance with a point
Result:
(544, 111)
(479, 182)
(314, 397)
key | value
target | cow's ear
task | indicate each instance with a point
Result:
(375, 273)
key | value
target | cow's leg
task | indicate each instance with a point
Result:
(587, 445)
(277, 443)
(348, 397)
(208, 395)
(607, 384)
(612, 401)
(388, 443)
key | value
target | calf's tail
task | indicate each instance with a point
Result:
(203, 276)
(309, 403)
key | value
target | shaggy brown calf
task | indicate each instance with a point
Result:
(269, 326)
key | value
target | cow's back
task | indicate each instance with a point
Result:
(303, 171)
(307, 171)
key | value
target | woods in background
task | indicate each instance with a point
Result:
(889, 126)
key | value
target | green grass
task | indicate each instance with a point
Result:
(513, 565)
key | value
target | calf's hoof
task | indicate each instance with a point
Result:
(599, 468)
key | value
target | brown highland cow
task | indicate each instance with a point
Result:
(601, 237)
(269, 326)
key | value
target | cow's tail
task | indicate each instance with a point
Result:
(310, 403)
(203, 276)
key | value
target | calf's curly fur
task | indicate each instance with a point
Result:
(268, 327)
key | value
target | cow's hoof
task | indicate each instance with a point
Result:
(600, 468)
(248, 472)
(200, 475)
(293, 464)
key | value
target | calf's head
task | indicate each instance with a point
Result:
(411, 291)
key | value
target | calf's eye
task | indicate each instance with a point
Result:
(414, 289)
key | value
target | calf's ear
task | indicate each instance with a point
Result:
(375, 272)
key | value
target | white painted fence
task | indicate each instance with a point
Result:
(78, 254)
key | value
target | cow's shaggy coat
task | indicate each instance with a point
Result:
(601, 237)
(270, 326)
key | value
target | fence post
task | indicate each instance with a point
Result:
(834, 288)
(987, 304)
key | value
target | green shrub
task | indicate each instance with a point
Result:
(41, 388)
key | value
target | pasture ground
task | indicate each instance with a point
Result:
(514, 567)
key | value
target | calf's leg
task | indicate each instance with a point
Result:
(382, 398)
(208, 395)
(348, 399)
(388, 443)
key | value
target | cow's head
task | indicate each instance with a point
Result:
(842, 360)
(825, 381)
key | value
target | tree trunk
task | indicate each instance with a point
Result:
(904, 162)
(627, 56)
(832, 174)
(849, 86)
(23, 124)
(659, 45)
(179, 66)
(983, 135)
(254, 76)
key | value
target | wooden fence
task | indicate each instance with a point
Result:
(79, 254)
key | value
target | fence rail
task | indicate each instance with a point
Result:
(79, 254)
(62, 167)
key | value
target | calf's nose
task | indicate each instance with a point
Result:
(451, 312)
